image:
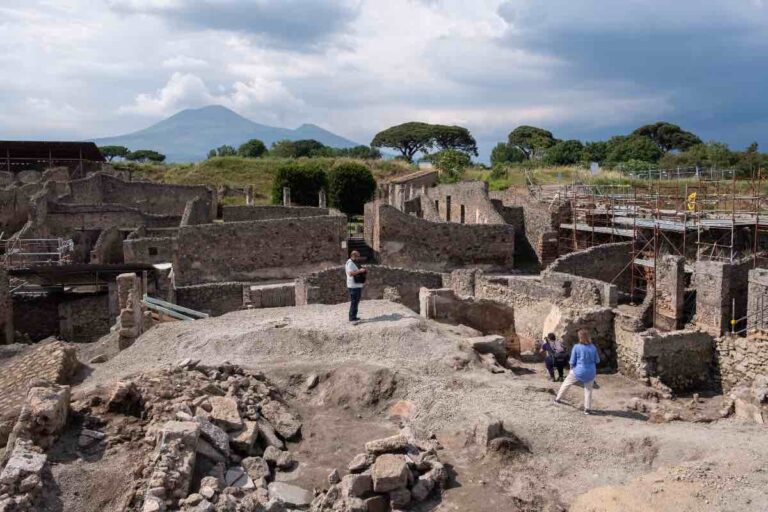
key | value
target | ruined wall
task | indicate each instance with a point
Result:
(36, 317)
(6, 309)
(108, 248)
(151, 250)
(249, 251)
(245, 213)
(740, 360)
(401, 240)
(330, 286)
(269, 295)
(197, 211)
(717, 285)
(757, 302)
(683, 360)
(214, 299)
(670, 292)
(608, 263)
(448, 201)
(15, 207)
(84, 319)
(487, 316)
(153, 198)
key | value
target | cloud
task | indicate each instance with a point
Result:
(179, 62)
(295, 24)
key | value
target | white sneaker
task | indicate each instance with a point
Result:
(556, 401)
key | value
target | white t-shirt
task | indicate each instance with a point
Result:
(351, 267)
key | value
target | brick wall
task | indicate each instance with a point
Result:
(401, 240)
(85, 319)
(330, 286)
(254, 250)
(717, 285)
(55, 362)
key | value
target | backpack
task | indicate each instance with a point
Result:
(360, 278)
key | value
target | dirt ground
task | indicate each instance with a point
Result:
(395, 368)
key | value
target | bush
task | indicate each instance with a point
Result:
(451, 164)
(304, 178)
(350, 186)
(254, 148)
(504, 153)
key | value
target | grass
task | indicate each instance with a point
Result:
(236, 171)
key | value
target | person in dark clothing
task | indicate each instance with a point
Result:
(355, 279)
(555, 356)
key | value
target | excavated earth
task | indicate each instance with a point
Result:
(395, 368)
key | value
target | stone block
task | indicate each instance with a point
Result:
(290, 495)
(284, 421)
(214, 435)
(356, 486)
(392, 444)
(485, 429)
(243, 440)
(224, 413)
(390, 472)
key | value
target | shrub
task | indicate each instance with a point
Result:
(304, 178)
(350, 186)
(451, 164)
(254, 148)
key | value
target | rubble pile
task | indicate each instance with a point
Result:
(392, 473)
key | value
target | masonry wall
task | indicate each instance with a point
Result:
(757, 302)
(670, 292)
(250, 251)
(214, 299)
(6, 309)
(487, 316)
(246, 213)
(15, 207)
(197, 211)
(330, 286)
(608, 263)
(36, 317)
(153, 198)
(401, 240)
(108, 248)
(740, 360)
(718, 285)
(84, 319)
(471, 195)
(151, 250)
(683, 360)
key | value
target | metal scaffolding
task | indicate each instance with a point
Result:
(30, 252)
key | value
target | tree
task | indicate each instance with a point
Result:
(451, 164)
(361, 152)
(142, 155)
(454, 138)
(254, 148)
(634, 147)
(226, 150)
(566, 152)
(111, 152)
(595, 151)
(212, 154)
(407, 138)
(350, 186)
(296, 148)
(531, 140)
(304, 178)
(504, 153)
(668, 136)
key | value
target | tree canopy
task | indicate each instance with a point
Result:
(668, 136)
(143, 155)
(565, 152)
(451, 164)
(531, 140)
(634, 147)
(504, 153)
(253, 148)
(350, 186)
(110, 152)
(304, 178)
(414, 137)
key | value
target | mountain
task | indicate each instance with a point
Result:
(187, 136)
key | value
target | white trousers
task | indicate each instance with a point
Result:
(569, 381)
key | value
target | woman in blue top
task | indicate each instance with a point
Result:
(584, 359)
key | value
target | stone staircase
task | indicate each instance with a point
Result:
(357, 243)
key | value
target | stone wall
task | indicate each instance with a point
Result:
(214, 298)
(245, 213)
(84, 319)
(719, 286)
(6, 309)
(254, 250)
(152, 198)
(487, 316)
(152, 250)
(269, 295)
(682, 360)
(197, 211)
(401, 240)
(670, 293)
(108, 248)
(740, 360)
(757, 301)
(15, 207)
(36, 317)
(466, 202)
(330, 286)
(608, 263)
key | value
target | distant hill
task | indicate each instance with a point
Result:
(188, 135)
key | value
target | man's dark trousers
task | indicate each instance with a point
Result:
(354, 297)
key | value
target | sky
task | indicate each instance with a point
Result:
(585, 69)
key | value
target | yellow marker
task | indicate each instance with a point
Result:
(692, 201)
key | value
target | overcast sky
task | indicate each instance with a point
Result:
(581, 68)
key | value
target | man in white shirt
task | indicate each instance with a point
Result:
(354, 286)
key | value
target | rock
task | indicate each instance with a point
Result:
(206, 449)
(89, 437)
(285, 460)
(484, 430)
(390, 472)
(356, 486)
(312, 381)
(267, 434)
(125, 398)
(333, 477)
(153, 504)
(101, 358)
(207, 492)
(243, 440)
(290, 494)
(284, 422)
(492, 344)
(256, 467)
(224, 413)
(421, 490)
(204, 506)
(393, 444)
(361, 462)
(399, 498)
(271, 454)
(214, 435)
(193, 499)
(212, 482)
(44, 415)
(376, 504)
(237, 477)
